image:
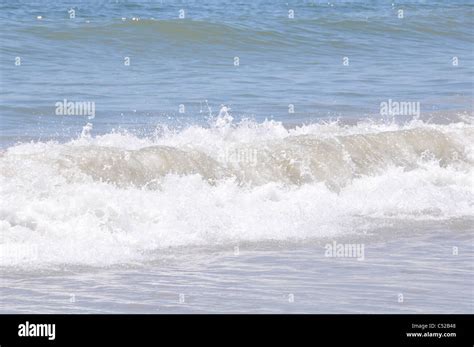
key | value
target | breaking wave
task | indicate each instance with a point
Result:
(119, 198)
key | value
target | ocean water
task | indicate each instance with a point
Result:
(228, 154)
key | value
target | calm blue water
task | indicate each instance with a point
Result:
(187, 61)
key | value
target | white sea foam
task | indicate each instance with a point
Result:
(117, 198)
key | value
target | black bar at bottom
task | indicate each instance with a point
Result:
(320, 330)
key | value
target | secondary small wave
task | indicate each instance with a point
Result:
(135, 30)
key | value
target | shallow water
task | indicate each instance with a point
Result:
(269, 278)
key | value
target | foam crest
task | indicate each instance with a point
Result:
(117, 198)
